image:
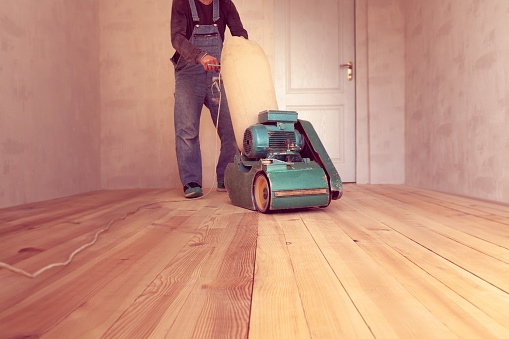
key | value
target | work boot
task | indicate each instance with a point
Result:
(220, 186)
(192, 190)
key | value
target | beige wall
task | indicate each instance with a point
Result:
(380, 77)
(136, 80)
(386, 83)
(363, 174)
(87, 95)
(457, 97)
(49, 114)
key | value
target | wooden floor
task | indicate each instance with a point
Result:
(383, 261)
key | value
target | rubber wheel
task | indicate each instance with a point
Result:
(261, 193)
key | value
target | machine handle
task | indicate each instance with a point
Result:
(349, 65)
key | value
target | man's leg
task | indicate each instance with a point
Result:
(188, 105)
(225, 131)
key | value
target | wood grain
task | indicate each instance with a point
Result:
(382, 301)
(384, 261)
(328, 307)
(276, 311)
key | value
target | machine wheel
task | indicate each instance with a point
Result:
(261, 193)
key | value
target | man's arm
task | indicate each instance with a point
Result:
(233, 21)
(179, 40)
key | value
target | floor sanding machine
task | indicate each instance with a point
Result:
(283, 164)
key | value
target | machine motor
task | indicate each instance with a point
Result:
(272, 141)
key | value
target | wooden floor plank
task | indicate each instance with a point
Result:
(99, 313)
(328, 309)
(389, 309)
(55, 301)
(169, 286)
(474, 222)
(32, 216)
(456, 312)
(220, 301)
(118, 233)
(383, 261)
(416, 227)
(42, 234)
(495, 211)
(80, 274)
(201, 287)
(488, 237)
(479, 292)
(276, 310)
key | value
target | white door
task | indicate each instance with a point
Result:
(312, 39)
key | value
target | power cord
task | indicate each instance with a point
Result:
(216, 83)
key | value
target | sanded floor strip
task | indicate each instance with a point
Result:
(384, 261)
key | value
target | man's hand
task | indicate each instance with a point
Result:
(209, 60)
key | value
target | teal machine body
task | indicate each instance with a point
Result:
(284, 166)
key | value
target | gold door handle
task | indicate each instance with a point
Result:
(349, 65)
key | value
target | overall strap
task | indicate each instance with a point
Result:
(194, 11)
(216, 10)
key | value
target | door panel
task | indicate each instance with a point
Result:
(312, 38)
(322, 118)
(312, 46)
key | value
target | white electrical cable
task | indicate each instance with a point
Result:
(11, 268)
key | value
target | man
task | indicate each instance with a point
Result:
(197, 34)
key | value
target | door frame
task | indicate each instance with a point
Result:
(361, 107)
(362, 129)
